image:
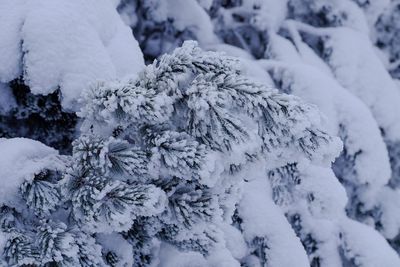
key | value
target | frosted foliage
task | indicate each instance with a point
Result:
(306, 63)
(191, 127)
(30, 231)
(41, 42)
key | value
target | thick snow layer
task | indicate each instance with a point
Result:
(390, 206)
(172, 257)
(373, 9)
(312, 80)
(328, 196)
(20, 160)
(11, 20)
(188, 13)
(316, 85)
(235, 241)
(65, 44)
(271, 13)
(359, 238)
(268, 221)
(221, 257)
(116, 243)
(185, 15)
(358, 68)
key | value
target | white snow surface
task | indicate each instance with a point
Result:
(268, 221)
(358, 238)
(188, 14)
(373, 9)
(172, 257)
(311, 79)
(312, 83)
(20, 160)
(357, 67)
(116, 243)
(390, 205)
(270, 15)
(66, 45)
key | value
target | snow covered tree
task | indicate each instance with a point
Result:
(197, 161)
(34, 229)
(177, 159)
(49, 52)
(324, 36)
(165, 152)
(364, 75)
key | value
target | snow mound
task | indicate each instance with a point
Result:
(20, 160)
(65, 45)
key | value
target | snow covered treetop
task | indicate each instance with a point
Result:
(64, 45)
(211, 86)
(172, 148)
